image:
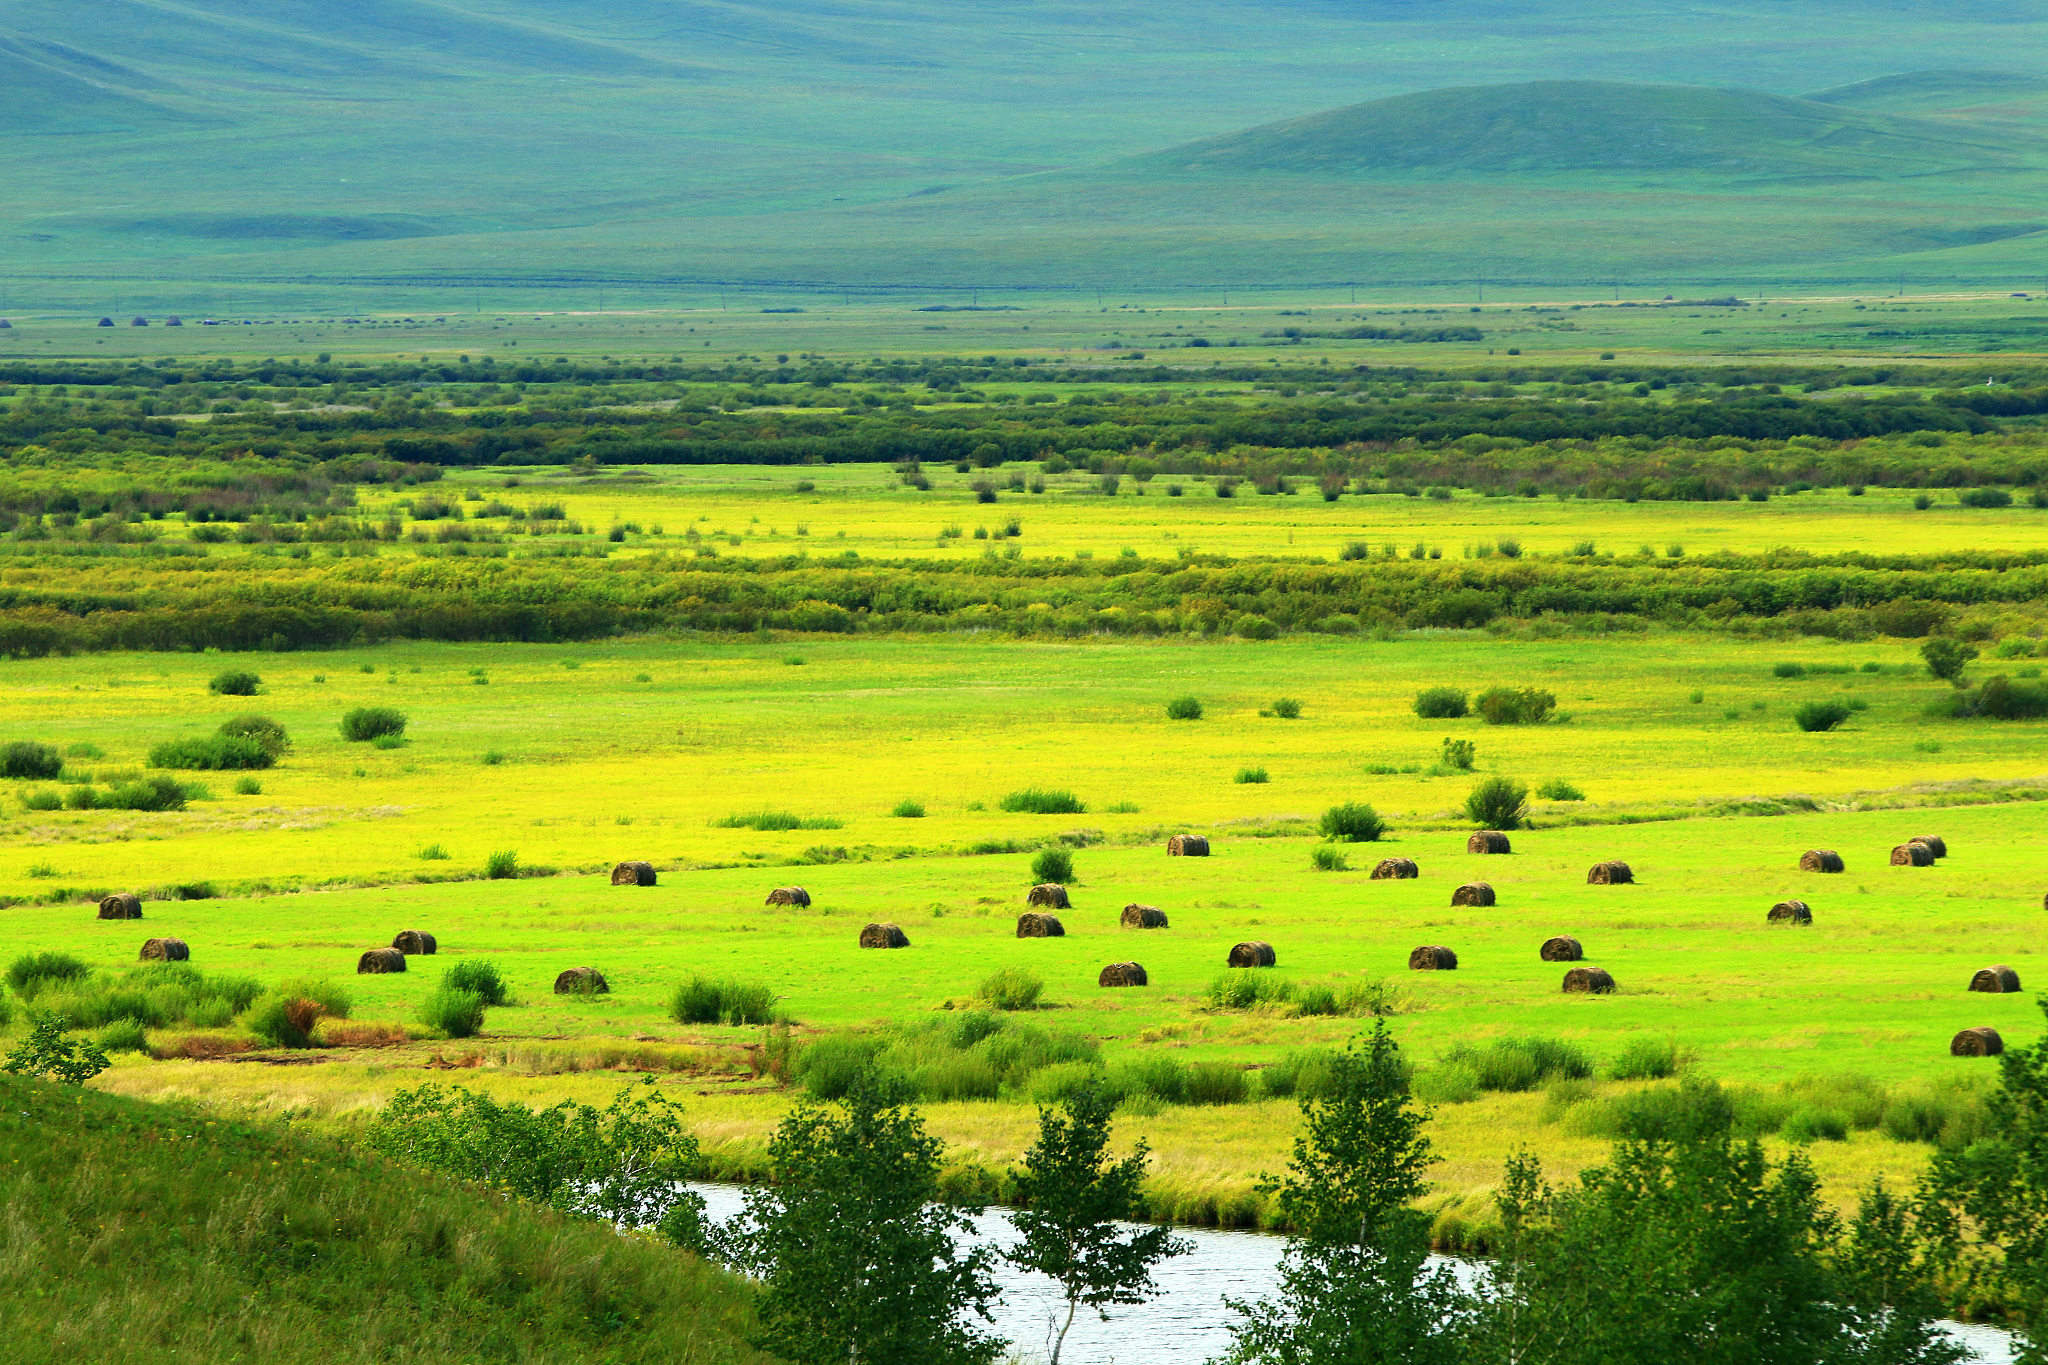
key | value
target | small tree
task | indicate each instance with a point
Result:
(1947, 658)
(47, 1053)
(1074, 1198)
(1498, 803)
(855, 1252)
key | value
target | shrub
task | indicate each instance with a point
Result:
(234, 683)
(1557, 789)
(1441, 703)
(283, 1019)
(1498, 802)
(1645, 1059)
(481, 978)
(1515, 705)
(1326, 859)
(158, 793)
(701, 1000)
(1252, 627)
(1184, 708)
(42, 800)
(502, 865)
(262, 729)
(1985, 497)
(1250, 777)
(1354, 822)
(1042, 801)
(366, 723)
(1012, 988)
(123, 1035)
(1521, 1063)
(1812, 1124)
(2000, 698)
(248, 786)
(1053, 865)
(1239, 989)
(26, 758)
(30, 972)
(1459, 754)
(908, 810)
(453, 1011)
(1788, 670)
(1820, 715)
(388, 742)
(209, 752)
(1947, 658)
(1287, 708)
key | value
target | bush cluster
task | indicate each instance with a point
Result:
(1515, 705)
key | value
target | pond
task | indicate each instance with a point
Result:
(1188, 1323)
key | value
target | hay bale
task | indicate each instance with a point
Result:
(1610, 874)
(1820, 860)
(883, 936)
(1122, 974)
(1588, 981)
(788, 895)
(1432, 958)
(1976, 1042)
(1999, 980)
(174, 950)
(1033, 924)
(1395, 869)
(1473, 893)
(1187, 846)
(1051, 895)
(1912, 855)
(1790, 912)
(378, 961)
(121, 905)
(1488, 841)
(582, 981)
(415, 943)
(1561, 948)
(1935, 844)
(1253, 953)
(1137, 916)
(633, 874)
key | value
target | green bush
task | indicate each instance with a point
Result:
(1788, 670)
(262, 729)
(1814, 1125)
(1458, 755)
(234, 683)
(1012, 988)
(1287, 708)
(1184, 708)
(1815, 716)
(1515, 705)
(1645, 1059)
(44, 799)
(365, 723)
(453, 1011)
(123, 1035)
(1053, 865)
(701, 1000)
(1441, 703)
(1354, 822)
(283, 1020)
(1984, 497)
(1520, 1063)
(502, 865)
(156, 793)
(1947, 658)
(1250, 777)
(31, 972)
(828, 1067)
(1557, 789)
(908, 810)
(26, 758)
(2000, 698)
(248, 786)
(1497, 802)
(479, 977)
(1326, 859)
(1041, 801)
(209, 752)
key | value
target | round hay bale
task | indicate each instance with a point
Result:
(1588, 981)
(1790, 912)
(1137, 916)
(1999, 980)
(1912, 855)
(1051, 895)
(582, 981)
(1251, 954)
(633, 874)
(1473, 893)
(166, 950)
(1820, 860)
(380, 960)
(415, 943)
(1976, 1042)
(883, 936)
(1394, 869)
(1610, 874)
(1935, 844)
(1187, 846)
(1488, 841)
(1034, 924)
(1123, 974)
(1432, 958)
(121, 905)
(788, 895)
(1562, 948)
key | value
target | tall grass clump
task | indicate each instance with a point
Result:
(703, 1000)
(1520, 1063)
(502, 865)
(159, 994)
(1815, 716)
(31, 972)
(26, 758)
(1012, 988)
(453, 1011)
(482, 978)
(236, 682)
(1240, 989)
(907, 809)
(1287, 708)
(1354, 822)
(1441, 703)
(1251, 777)
(1184, 708)
(366, 723)
(1557, 789)
(772, 821)
(1043, 801)
(1498, 802)
(1646, 1059)
(1323, 858)
(1053, 865)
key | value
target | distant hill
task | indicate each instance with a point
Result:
(48, 88)
(1929, 90)
(1579, 126)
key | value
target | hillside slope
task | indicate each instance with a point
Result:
(135, 1232)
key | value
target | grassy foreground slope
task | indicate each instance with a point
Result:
(140, 1233)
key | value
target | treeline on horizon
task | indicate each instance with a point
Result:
(124, 599)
